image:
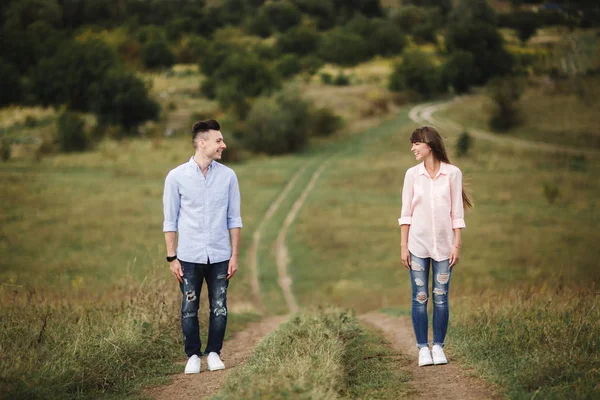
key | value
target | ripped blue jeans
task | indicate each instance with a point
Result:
(419, 277)
(217, 283)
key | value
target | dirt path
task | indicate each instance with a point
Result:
(423, 114)
(254, 245)
(448, 381)
(282, 257)
(205, 384)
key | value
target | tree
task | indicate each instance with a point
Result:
(11, 90)
(278, 124)
(70, 133)
(416, 72)
(458, 71)
(301, 40)
(344, 48)
(156, 54)
(122, 98)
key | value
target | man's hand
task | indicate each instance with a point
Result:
(405, 254)
(454, 256)
(176, 270)
(233, 267)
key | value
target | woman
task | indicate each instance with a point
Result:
(431, 220)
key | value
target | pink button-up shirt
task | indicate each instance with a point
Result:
(432, 208)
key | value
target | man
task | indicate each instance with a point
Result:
(202, 207)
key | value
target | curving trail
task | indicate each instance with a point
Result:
(282, 258)
(254, 246)
(423, 114)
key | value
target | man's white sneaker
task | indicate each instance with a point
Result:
(438, 355)
(193, 365)
(214, 362)
(425, 357)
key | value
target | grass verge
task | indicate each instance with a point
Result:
(322, 354)
(541, 343)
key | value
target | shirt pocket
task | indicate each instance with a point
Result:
(219, 196)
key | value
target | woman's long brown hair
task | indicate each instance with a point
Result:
(430, 136)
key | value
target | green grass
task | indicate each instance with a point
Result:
(320, 355)
(345, 251)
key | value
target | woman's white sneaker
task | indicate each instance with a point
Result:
(425, 357)
(438, 355)
(214, 362)
(193, 365)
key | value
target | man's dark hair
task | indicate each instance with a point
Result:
(205, 126)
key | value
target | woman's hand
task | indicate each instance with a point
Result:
(454, 256)
(405, 254)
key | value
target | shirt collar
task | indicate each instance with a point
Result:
(443, 169)
(193, 163)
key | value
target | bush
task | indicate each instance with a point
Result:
(70, 133)
(325, 122)
(341, 47)
(341, 79)
(458, 71)
(326, 78)
(302, 40)
(416, 72)
(5, 150)
(11, 90)
(551, 192)
(526, 23)
(463, 144)
(278, 124)
(281, 15)
(122, 98)
(156, 54)
(506, 93)
(288, 65)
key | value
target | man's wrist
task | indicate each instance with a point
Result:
(171, 258)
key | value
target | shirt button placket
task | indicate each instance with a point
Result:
(435, 247)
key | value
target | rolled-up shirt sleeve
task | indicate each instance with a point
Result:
(234, 218)
(407, 197)
(457, 211)
(171, 201)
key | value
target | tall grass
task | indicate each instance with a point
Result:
(319, 355)
(536, 342)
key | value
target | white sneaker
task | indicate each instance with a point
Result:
(425, 357)
(214, 362)
(438, 355)
(193, 365)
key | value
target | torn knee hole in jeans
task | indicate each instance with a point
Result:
(419, 282)
(439, 291)
(190, 295)
(421, 297)
(443, 278)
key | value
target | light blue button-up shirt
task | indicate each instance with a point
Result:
(202, 210)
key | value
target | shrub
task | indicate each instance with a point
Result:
(416, 72)
(190, 49)
(281, 15)
(463, 144)
(122, 98)
(278, 124)
(341, 79)
(505, 92)
(302, 40)
(11, 90)
(70, 133)
(324, 122)
(526, 23)
(551, 192)
(458, 71)
(288, 65)
(5, 150)
(156, 54)
(341, 47)
(326, 78)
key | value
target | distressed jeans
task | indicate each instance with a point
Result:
(216, 282)
(419, 277)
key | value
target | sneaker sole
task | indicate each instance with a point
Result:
(191, 372)
(216, 368)
(440, 362)
(425, 364)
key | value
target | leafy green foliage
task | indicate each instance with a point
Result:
(416, 72)
(156, 53)
(458, 71)
(70, 133)
(342, 47)
(506, 93)
(464, 144)
(278, 124)
(302, 40)
(122, 98)
(11, 90)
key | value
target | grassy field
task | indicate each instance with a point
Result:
(82, 270)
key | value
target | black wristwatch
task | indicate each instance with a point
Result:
(169, 259)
